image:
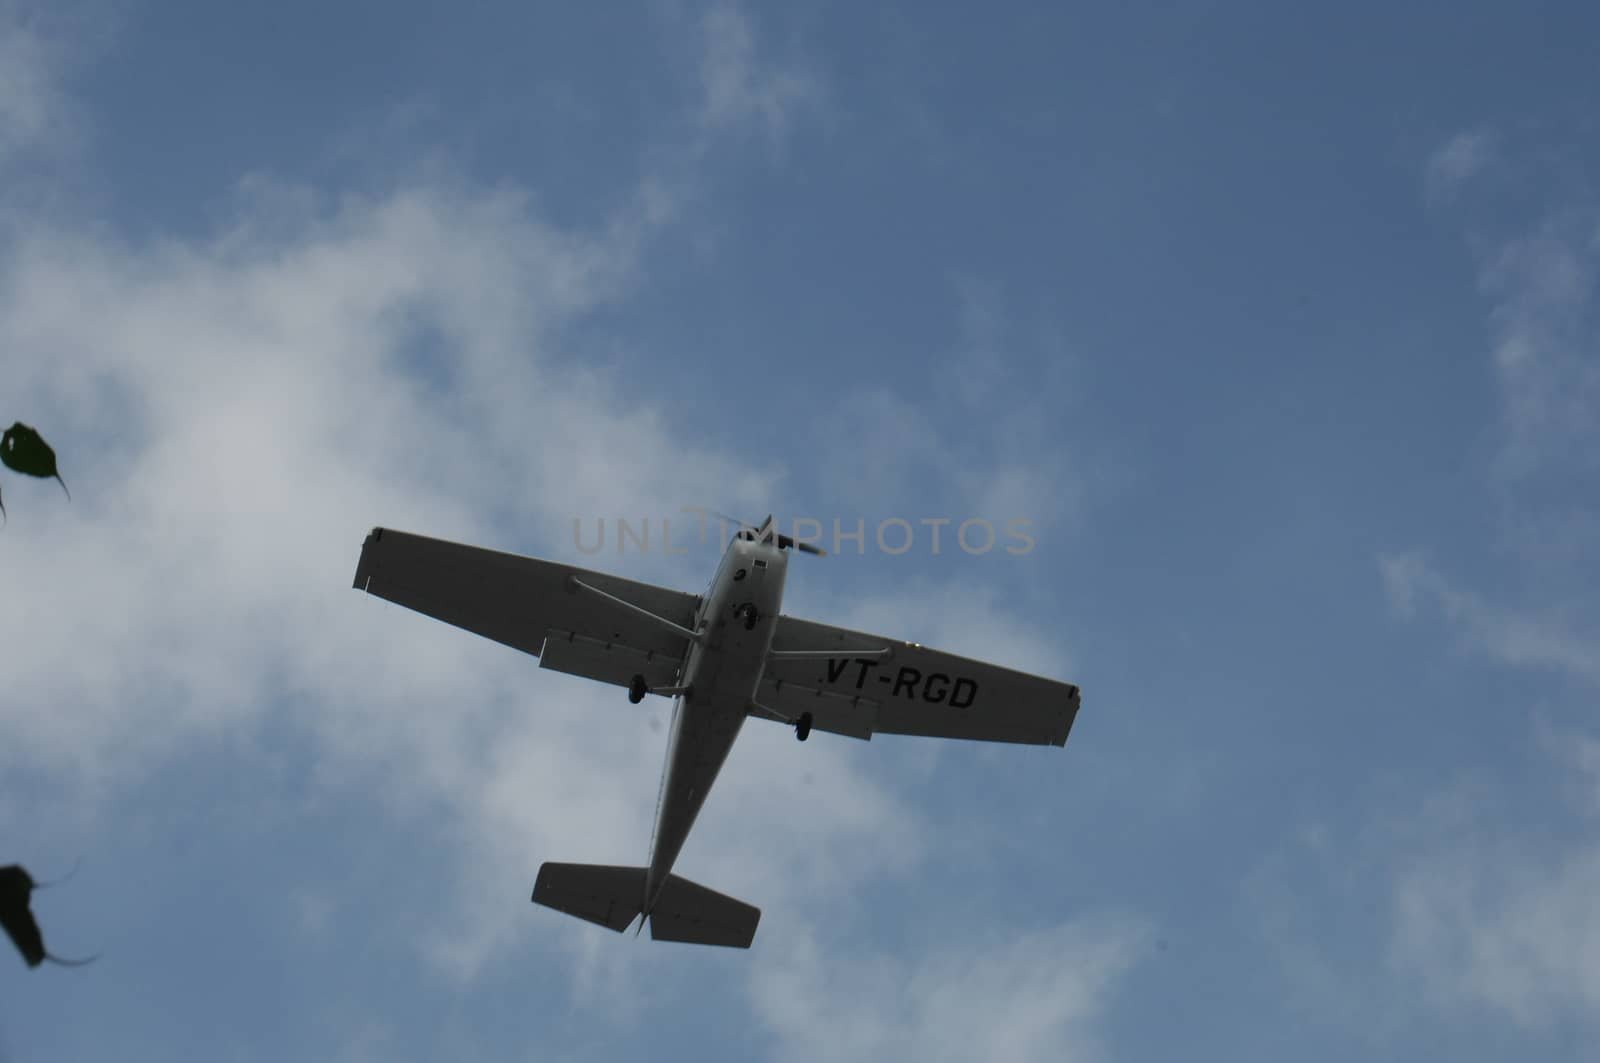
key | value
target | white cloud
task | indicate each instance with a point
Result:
(1542, 279)
(42, 48)
(233, 414)
(1507, 636)
(739, 88)
(1298, 900)
(1489, 914)
(1456, 162)
(1547, 351)
(893, 449)
(1036, 994)
(1584, 756)
(267, 408)
(1459, 907)
(1543, 283)
(32, 107)
(1493, 916)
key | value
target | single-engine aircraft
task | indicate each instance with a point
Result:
(721, 656)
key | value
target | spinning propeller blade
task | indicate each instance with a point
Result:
(765, 532)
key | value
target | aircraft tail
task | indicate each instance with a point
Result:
(614, 897)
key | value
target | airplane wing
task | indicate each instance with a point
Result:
(851, 687)
(533, 606)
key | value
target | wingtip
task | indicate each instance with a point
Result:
(363, 576)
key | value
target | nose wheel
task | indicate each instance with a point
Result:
(748, 611)
(802, 726)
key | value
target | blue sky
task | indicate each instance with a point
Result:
(1278, 325)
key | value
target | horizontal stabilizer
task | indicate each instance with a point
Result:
(687, 911)
(610, 896)
(614, 897)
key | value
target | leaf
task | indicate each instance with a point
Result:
(24, 450)
(15, 886)
(16, 890)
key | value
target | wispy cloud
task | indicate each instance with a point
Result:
(1544, 349)
(45, 132)
(1492, 917)
(234, 414)
(1547, 348)
(34, 111)
(1456, 162)
(235, 411)
(890, 449)
(1036, 994)
(1450, 911)
(1541, 278)
(1506, 635)
(1490, 914)
(741, 87)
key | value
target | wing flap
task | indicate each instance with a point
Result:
(607, 662)
(850, 715)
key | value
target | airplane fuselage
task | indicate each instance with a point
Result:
(721, 673)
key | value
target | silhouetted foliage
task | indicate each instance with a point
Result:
(16, 891)
(23, 450)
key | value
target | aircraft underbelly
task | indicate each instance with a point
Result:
(706, 732)
(722, 674)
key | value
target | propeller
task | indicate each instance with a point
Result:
(765, 532)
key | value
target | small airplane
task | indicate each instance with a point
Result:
(722, 656)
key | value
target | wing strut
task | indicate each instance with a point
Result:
(693, 636)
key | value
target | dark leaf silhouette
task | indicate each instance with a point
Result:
(16, 890)
(23, 450)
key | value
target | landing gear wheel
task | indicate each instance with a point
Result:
(802, 729)
(637, 689)
(750, 617)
